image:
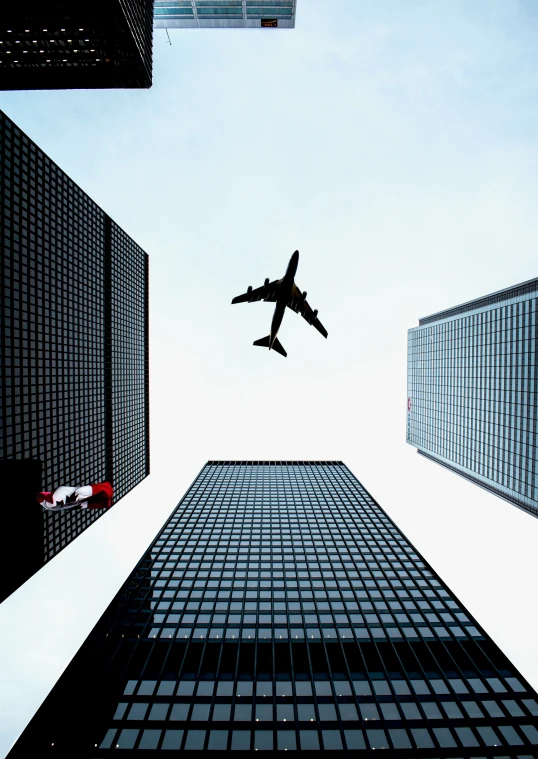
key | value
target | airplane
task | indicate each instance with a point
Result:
(284, 292)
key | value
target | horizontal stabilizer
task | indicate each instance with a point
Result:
(278, 348)
(264, 343)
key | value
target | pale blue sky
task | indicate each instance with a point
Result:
(395, 145)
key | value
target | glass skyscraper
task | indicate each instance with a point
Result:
(224, 14)
(472, 390)
(74, 361)
(281, 608)
(61, 44)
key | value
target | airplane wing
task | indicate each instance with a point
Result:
(299, 304)
(268, 293)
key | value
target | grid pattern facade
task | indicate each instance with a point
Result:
(281, 608)
(224, 14)
(58, 44)
(129, 344)
(473, 392)
(60, 313)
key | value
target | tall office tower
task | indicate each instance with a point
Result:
(280, 607)
(472, 390)
(224, 14)
(87, 44)
(74, 386)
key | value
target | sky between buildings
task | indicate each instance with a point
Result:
(395, 145)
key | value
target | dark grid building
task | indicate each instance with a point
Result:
(472, 390)
(225, 14)
(280, 607)
(74, 385)
(61, 44)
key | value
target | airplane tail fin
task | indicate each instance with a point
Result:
(277, 346)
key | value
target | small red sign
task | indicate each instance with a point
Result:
(409, 404)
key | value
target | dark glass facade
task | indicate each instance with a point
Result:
(472, 392)
(74, 383)
(281, 608)
(61, 44)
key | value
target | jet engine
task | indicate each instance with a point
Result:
(315, 314)
(249, 289)
(266, 283)
(303, 296)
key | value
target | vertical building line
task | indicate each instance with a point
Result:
(146, 359)
(195, 12)
(108, 343)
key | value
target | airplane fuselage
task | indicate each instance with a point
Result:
(284, 294)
